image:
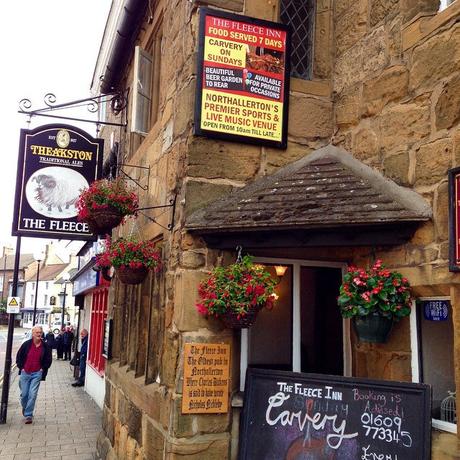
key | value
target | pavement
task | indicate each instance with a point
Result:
(65, 426)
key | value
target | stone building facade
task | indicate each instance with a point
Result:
(384, 87)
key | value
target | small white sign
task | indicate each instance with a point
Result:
(13, 305)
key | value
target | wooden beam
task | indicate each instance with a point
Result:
(354, 236)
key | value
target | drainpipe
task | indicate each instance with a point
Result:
(127, 30)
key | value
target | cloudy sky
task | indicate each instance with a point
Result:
(47, 46)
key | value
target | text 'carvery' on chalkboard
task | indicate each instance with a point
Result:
(293, 416)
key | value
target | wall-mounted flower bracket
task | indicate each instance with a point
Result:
(139, 182)
(172, 205)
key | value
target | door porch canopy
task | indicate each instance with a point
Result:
(327, 198)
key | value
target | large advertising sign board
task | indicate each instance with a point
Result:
(55, 163)
(243, 79)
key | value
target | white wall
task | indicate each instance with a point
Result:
(95, 386)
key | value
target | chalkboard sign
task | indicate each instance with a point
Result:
(107, 339)
(293, 416)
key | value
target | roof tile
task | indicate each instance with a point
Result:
(328, 188)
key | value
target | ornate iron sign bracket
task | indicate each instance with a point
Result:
(117, 102)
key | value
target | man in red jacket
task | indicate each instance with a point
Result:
(33, 360)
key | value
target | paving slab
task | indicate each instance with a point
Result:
(62, 414)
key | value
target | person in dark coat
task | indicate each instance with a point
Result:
(83, 354)
(67, 340)
(50, 340)
(60, 344)
(33, 359)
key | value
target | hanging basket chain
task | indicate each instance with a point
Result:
(239, 257)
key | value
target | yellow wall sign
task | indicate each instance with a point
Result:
(243, 79)
(206, 378)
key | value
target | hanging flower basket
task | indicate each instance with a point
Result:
(234, 320)
(235, 294)
(128, 275)
(103, 220)
(105, 204)
(131, 258)
(373, 328)
(374, 298)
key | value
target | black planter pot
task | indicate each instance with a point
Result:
(372, 328)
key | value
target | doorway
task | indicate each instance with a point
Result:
(304, 332)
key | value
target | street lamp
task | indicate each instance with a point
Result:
(38, 256)
(66, 278)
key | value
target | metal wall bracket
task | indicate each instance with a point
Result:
(172, 204)
(117, 102)
(136, 181)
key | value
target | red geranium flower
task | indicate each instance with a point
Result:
(238, 288)
(129, 253)
(374, 290)
(105, 193)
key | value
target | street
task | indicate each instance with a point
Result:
(18, 335)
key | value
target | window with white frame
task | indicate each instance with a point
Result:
(1, 282)
(47, 285)
(304, 332)
(432, 343)
(146, 85)
(45, 300)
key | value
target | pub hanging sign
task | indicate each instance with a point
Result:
(454, 219)
(242, 79)
(55, 163)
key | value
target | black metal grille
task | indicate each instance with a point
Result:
(300, 15)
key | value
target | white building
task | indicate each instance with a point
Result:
(46, 295)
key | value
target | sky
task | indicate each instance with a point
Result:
(48, 46)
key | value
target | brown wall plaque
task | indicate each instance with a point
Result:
(206, 378)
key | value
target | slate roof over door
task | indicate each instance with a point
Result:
(327, 189)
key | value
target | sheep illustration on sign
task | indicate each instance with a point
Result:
(52, 191)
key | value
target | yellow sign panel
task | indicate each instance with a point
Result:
(13, 301)
(225, 52)
(241, 115)
(206, 378)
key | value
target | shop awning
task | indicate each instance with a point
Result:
(327, 198)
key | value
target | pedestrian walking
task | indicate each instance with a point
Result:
(67, 340)
(33, 360)
(50, 339)
(83, 353)
(60, 344)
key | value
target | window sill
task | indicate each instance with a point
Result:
(313, 87)
(444, 426)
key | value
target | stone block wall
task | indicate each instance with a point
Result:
(396, 109)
